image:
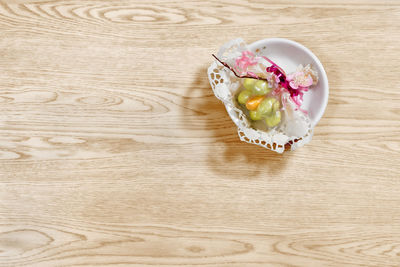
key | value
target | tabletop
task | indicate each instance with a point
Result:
(115, 152)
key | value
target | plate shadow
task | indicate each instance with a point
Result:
(229, 157)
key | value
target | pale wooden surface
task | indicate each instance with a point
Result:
(115, 152)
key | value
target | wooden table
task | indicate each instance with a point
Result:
(115, 152)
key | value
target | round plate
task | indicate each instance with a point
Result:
(288, 55)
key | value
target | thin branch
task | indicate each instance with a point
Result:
(234, 72)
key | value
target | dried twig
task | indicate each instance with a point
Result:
(234, 72)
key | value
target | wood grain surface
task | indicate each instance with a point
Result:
(114, 151)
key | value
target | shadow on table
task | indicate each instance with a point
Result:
(227, 156)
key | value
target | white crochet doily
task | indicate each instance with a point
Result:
(295, 129)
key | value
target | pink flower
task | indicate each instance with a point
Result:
(247, 59)
(299, 79)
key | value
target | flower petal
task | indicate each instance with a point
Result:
(293, 85)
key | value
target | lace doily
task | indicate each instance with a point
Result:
(295, 129)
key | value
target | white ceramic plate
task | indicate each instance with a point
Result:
(288, 55)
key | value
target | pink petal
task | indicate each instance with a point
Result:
(290, 77)
(247, 53)
(247, 59)
(308, 82)
(293, 85)
(252, 74)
